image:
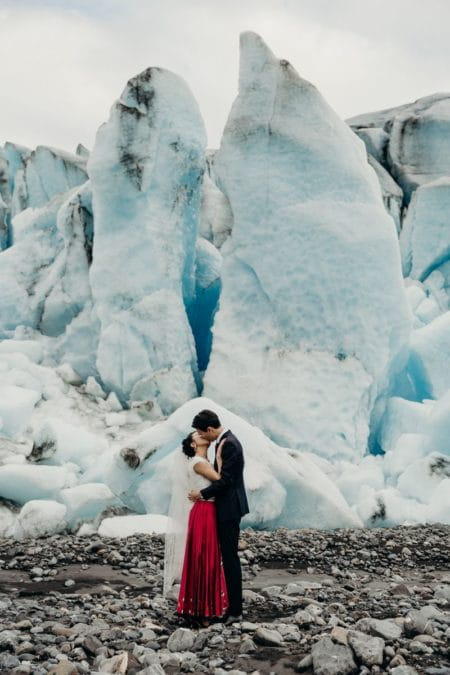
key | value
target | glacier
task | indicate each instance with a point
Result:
(415, 148)
(296, 280)
(146, 169)
(311, 250)
(70, 457)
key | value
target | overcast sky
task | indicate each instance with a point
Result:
(64, 62)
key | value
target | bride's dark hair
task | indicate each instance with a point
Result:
(186, 445)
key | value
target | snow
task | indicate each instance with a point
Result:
(78, 344)
(390, 190)
(354, 479)
(126, 526)
(15, 156)
(216, 218)
(86, 501)
(439, 508)
(429, 363)
(401, 416)
(22, 483)
(409, 448)
(24, 273)
(16, 406)
(285, 488)
(69, 277)
(438, 427)
(310, 240)
(425, 241)
(146, 169)
(272, 264)
(376, 141)
(39, 518)
(46, 172)
(7, 521)
(388, 507)
(68, 454)
(64, 442)
(32, 349)
(421, 478)
(417, 149)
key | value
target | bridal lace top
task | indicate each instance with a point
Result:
(196, 481)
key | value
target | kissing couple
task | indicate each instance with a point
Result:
(206, 507)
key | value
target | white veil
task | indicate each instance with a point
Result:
(177, 521)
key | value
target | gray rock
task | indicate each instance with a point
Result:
(400, 589)
(247, 646)
(303, 618)
(188, 661)
(442, 591)
(272, 591)
(420, 620)
(340, 635)
(251, 597)
(8, 662)
(63, 668)
(267, 637)
(305, 663)
(153, 669)
(8, 640)
(299, 587)
(368, 650)
(181, 640)
(332, 659)
(416, 647)
(117, 664)
(200, 641)
(398, 660)
(24, 647)
(216, 641)
(403, 670)
(384, 628)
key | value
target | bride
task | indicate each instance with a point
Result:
(192, 546)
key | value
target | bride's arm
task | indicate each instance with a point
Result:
(205, 469)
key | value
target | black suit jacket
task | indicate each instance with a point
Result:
(229, 490)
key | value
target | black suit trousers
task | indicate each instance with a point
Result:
(228, 531)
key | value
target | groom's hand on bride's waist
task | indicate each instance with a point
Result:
(194, 495)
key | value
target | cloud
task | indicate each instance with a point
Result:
(64, 62)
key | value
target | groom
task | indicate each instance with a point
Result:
(231, 503)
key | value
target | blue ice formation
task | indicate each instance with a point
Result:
(274, 264)
(146, 170)
(412, 140)
(312, 311)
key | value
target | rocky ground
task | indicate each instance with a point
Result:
(322, 603)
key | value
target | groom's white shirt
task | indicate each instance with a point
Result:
(221, 436)
(213, 446)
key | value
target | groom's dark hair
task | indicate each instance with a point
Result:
(205, 419)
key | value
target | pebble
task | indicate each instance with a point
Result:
(312, 600)
(181, 640)
(368, 650)
(330, 658)
(267, 637)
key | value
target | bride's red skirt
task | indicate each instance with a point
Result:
(203, 592)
